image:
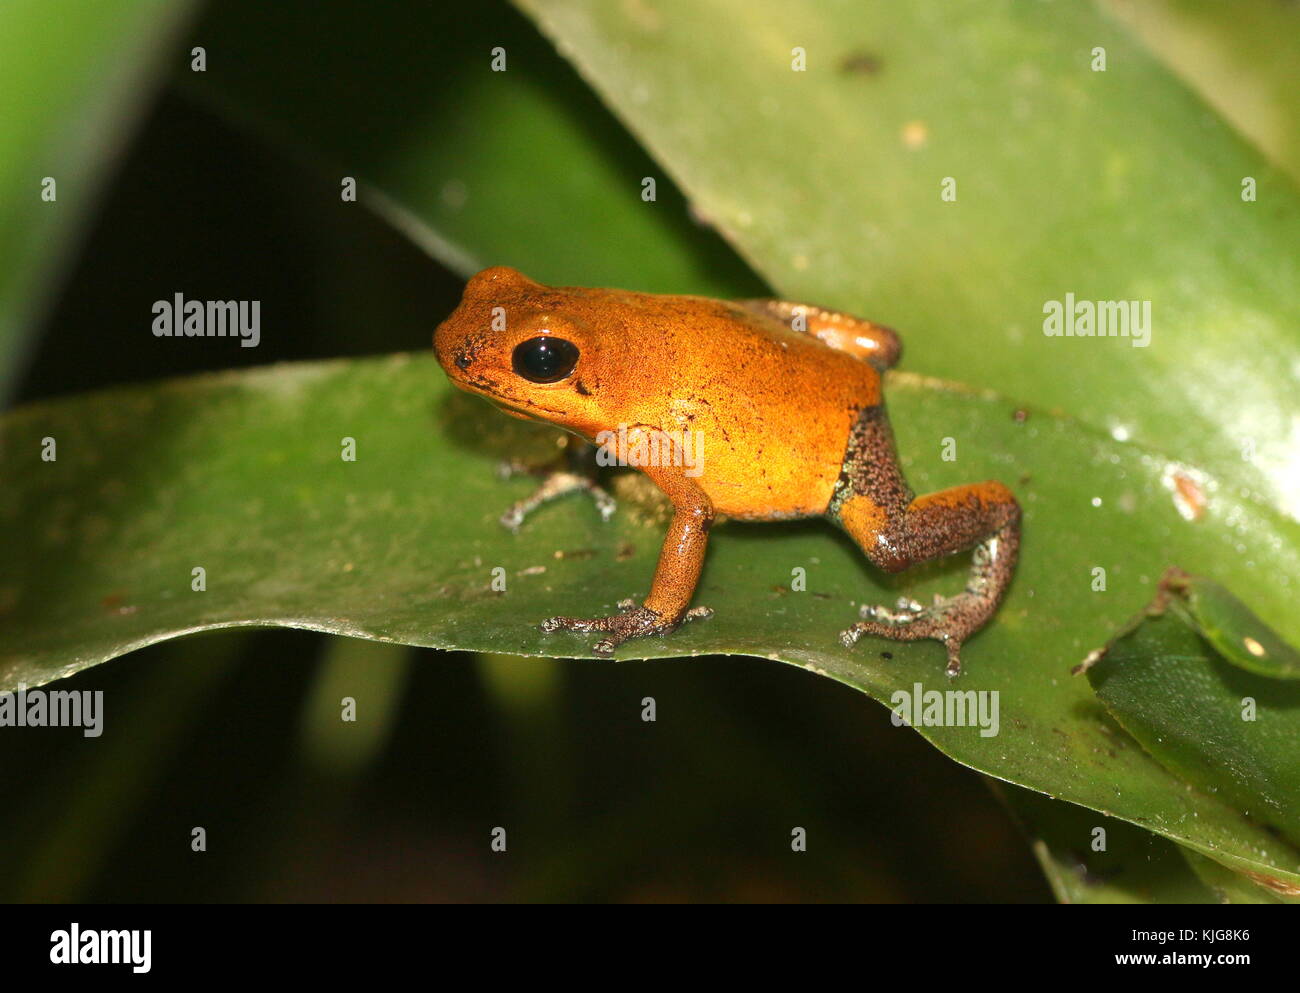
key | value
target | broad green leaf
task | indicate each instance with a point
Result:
(1228, 886)
(402, 544)
(72, 78)
(1240, 57)
(1228, 732)
(1088, 858)
(1112, 185)
(521, 167)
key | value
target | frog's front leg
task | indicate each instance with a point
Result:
(573, 470)
(680, 561)
(874, 504)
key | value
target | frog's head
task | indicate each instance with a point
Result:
(524, 346)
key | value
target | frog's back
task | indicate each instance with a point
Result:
(771, 407)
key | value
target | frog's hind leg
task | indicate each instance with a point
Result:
(984, 516)
(843, 332)
(874, 504)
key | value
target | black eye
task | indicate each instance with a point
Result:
(545, 360)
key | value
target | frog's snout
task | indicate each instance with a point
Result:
(461, 353)
(455, 350)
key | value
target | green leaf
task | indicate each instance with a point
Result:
(1239, 57)
(521, 167)
(1088, 858)
(72, 81)
(1229, 625)
(1110, 186)
(1225, 731)
(1228, 886)
(242, 475)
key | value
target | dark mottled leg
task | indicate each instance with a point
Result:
(874, 504)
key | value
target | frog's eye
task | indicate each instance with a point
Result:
(546, 359)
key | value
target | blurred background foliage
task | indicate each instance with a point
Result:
(239, 732)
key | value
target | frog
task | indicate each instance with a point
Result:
(784, 402)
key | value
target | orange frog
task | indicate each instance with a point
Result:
(761, 410)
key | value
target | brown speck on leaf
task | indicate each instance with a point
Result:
(625, 552)
(861, 63)
(1020, 415)
(779, 589)
(577, 553)
(886, 655)
(114, 605)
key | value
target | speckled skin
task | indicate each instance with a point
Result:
(792, 421)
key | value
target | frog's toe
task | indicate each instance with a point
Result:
(512, 467)
(555, 484)
(579, 624)
(605, 503)
(635, 622)
(878, 614)
(884, 624)
(949, 622)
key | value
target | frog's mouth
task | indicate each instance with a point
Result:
(524, 413)
(522, 408)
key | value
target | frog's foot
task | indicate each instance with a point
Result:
(555, 483)
(634, 622)
(950, 620)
